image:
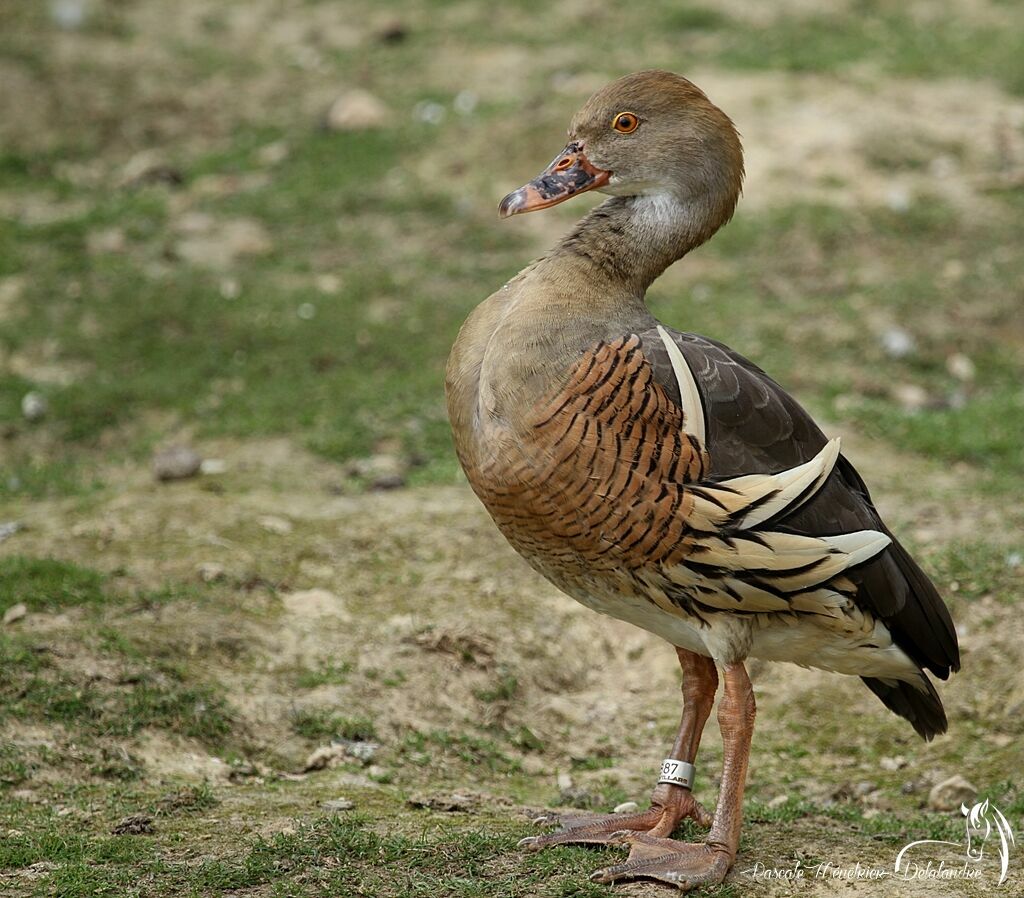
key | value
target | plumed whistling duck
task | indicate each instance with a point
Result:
(663, 479)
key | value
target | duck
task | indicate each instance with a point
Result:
(661, 478)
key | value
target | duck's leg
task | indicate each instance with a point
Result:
(670, 804)
(691, 865)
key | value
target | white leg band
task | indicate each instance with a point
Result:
(677, 773)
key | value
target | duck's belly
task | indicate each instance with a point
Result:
(726, 637)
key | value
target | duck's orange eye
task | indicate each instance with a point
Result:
(625, 123)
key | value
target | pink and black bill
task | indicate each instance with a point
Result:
(569, 174)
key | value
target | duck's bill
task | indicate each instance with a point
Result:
(569, 174)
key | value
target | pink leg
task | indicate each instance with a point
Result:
(691, 865)
(669, 804)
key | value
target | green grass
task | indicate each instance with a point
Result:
(321, 725)
(46, 584)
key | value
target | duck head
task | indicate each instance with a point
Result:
(651, 134)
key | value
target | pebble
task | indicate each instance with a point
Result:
(896, 763)
(337, 804)
(455, 801)
(213, 466)
(563, 781)
(176, 463)
(356, 110)
(778, 801)
(961, 367)
(274, 524)
(429, 112)
(951, 793)
(34, 406)
(627, 807)
(910, 396)
(15, 613)
(8, 529)
(134, 825)
(897, 343)
(211, 572)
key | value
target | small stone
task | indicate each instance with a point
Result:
(429, 112)
(960, 366)
(898, 199)
(335, 805)
(627, 807)
(386, 482)
(381, 472)
(134, 825)
(910, 396)
(356, 110)
(455, 801)
(563, 781)
(213, 466)
(361, 751)
(327, 283)
(15, 613)
(176, 463)
(863, 788)
(896, 763)
(897, 343)
(274, 524)
(69, 14)
(34, 406)
(778, 801)
(465, 102)
(211, 572)
(378, 774)
(8, 529)
(951, 793)
(273, 153)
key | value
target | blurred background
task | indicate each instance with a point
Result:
(237, 240)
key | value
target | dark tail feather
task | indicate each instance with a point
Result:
(923, 709)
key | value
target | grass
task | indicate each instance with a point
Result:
(38, 689)
(321, 725)
(48, 584)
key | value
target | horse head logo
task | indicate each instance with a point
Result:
(984, 820)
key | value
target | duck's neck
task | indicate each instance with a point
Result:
(628, 241)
